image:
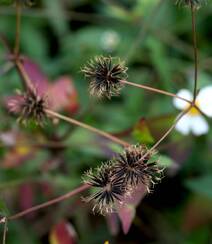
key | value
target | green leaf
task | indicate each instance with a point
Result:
(3, 208)
(6, 2)
(57, 16)
(201, 185)
(165, 161)
(159, 59)
(34, 42)
(142, 133)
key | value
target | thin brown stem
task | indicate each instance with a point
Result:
(27, 81)
(155, 90)
(194, 34)
(5, 231)
(18, 25)
(87, 127)
(29, 85)
(167, 133)
(51, 202)
(170, 129)
(5, 43)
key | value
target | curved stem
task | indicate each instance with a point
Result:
(51, 202)
(167, 132)
(5, 43)
(18, 25)
(5, 231)
(88, 127)
(29, 85)
(155, 90)
(24, 75)
(170, 129)
(195, 50)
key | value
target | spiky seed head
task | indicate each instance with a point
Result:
(134, 166)
(108, 188)
(29, 105)
(104, 75)
(195, 3)
(116, 179)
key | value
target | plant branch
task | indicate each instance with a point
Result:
(88, 127)
(4, 220)
(51, 202)
(5, 43)
(29, 85)
(194, 34)
(155, 90)
(18, 25)
(24, 75)
(167, 132)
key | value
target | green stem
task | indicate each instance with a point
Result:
(194, 35)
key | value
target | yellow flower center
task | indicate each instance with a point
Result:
(194, 111)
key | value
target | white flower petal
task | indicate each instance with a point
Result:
(204, 100)
(199, 125)
(180, 104)
(184, 124)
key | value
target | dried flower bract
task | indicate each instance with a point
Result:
(29, 106)
(134, 167)
(110, 189)
(105, 75)
(115, 179)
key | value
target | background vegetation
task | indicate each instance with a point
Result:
(154, 38)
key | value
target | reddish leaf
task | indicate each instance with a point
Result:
(62, 95)
(62, 233)
(126, 215)
(113, 223)
(36, 75)
(136, 196)
(26, 196)
(127, 210)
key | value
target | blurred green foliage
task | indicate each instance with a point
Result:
(154, 38)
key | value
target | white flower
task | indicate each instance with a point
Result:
(110, 40)
(194, 121)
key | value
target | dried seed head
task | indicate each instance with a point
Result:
(118, 178)
(105, 75)
(109, 189)
(29, 106)
(134, 167)
(195, 3)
